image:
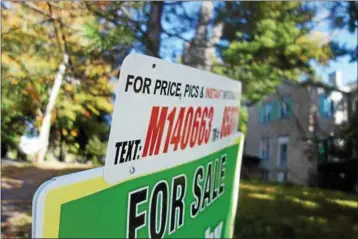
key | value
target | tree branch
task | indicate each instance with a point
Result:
(38, 10)
(18, 28)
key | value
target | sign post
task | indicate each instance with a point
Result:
(172, 166)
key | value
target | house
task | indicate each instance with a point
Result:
(284, 128)
(353, 99)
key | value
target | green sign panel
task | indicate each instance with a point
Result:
(197, 199)
(193, 199)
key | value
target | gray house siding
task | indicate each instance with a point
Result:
(297, 127)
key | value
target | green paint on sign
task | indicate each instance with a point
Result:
(104, 214)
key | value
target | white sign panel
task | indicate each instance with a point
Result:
(166, 115)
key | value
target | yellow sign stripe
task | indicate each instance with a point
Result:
(55, 198)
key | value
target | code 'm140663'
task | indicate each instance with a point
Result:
(186, 127)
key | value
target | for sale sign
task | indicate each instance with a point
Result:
(167, 115)
(172, 167)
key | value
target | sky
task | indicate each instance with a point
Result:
(348, 70)
(174, 47)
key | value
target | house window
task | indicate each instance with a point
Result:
(326, 106)
(278, 109)
(262, 115)
(284, 108)
(266, 112)
(265, 149)
(282, 157)
(282, 152)
(323, 150)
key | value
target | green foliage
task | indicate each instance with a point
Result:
(25, 71)
(243, 118)
(95, 150)
(33, 45)
(74, 148)
(97, 39)
(267, 42)
(14, 113)
(274, 46)
(344, 15)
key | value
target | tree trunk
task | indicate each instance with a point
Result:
(154, 28)
(46, 122)
(200, 52)
(63, 148)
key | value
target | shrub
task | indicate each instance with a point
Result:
(95, 150)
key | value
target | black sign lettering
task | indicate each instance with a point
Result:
(198, 177)
(222, 174)
(136, 220)
(129, 82)
(177, 205)
(216, 172)
(160, 188)
(207, 188)
(118, 145)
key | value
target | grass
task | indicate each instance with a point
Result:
(281, 211)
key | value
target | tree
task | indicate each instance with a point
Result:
(260, 44)
(200, 51)
(61, 58)
(142, 21)
(265, 42)
(21, 44)
(344, 15)
(271, 43)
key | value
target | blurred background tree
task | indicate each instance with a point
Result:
(270, 42)
(36, 36)
(260, 44)
(343, 15)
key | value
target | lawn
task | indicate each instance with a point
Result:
(265, 210)
(283, 211)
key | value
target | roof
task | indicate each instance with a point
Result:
(353, 85)
(347, 88)
(323, 85)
